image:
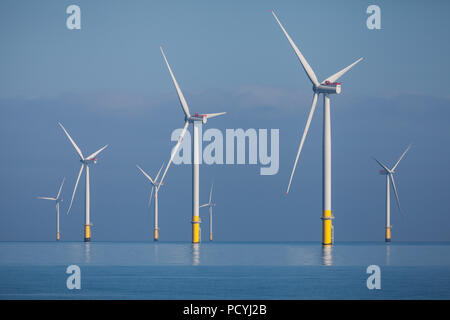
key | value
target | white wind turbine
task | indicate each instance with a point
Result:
(197, 120)
(389, 173)
(156, 184)
(210, 204)
(58, 199)
(85, 162)
(327, 87)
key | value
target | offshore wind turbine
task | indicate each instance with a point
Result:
(85, 162)
(210, 204)
(389, 173)
(197, 121)
(58, 199)
(327, 87)
(156, 184)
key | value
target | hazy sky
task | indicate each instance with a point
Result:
(107, 83)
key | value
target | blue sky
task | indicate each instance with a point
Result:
(107, 83)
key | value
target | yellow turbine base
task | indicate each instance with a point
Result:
(326, 227)
(195, 229)
(87, 233)
(388, 234)
(57, 236)
(156, 237)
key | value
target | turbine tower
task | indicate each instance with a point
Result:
(85, 162)
(210, 204)
(58, 199)
(197, 120)
(389, 173)
(156, 184)
(327, 87)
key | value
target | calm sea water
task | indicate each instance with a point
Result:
(112, 270)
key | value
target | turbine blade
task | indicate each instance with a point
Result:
(204, 205)
(401, 157)
(391, 176)
(210, 193)
(302, 141)
(213, 115)
(47, 198)
(73, 142)
(145, 174)
(75, 188)
(151, 196)
(309, 71)
(382, 165)
(159, 171)
(60, 188)
(183, 102)
(174, 150)
(92, 156)
(339, 74)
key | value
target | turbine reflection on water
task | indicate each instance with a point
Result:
(87, 252)
(388, 254)
(195, 254)
(327, 255)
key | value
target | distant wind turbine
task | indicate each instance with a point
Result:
(58, 199)
(210, 204)
(85, 162)
(389, 173)
(156, 184)
(327, 87)
(197, 120)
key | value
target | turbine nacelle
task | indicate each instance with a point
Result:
(328, 87)
(89, 161)
(198, 117)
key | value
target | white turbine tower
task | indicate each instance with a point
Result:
(327, 87)
(156, 184)
(389, 173)
(58, 199)
(210, 204)
(85, 162)
(197, 120)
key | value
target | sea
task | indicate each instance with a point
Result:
(224, 270)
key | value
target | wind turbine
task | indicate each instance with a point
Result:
(85, 162)
(58, 199)
(327, 87)
(197, 120)
(156, 184)
(210, 204)
(389, 173)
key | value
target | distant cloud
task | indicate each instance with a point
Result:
(257, 96)
(251, 96)
(260, 97)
